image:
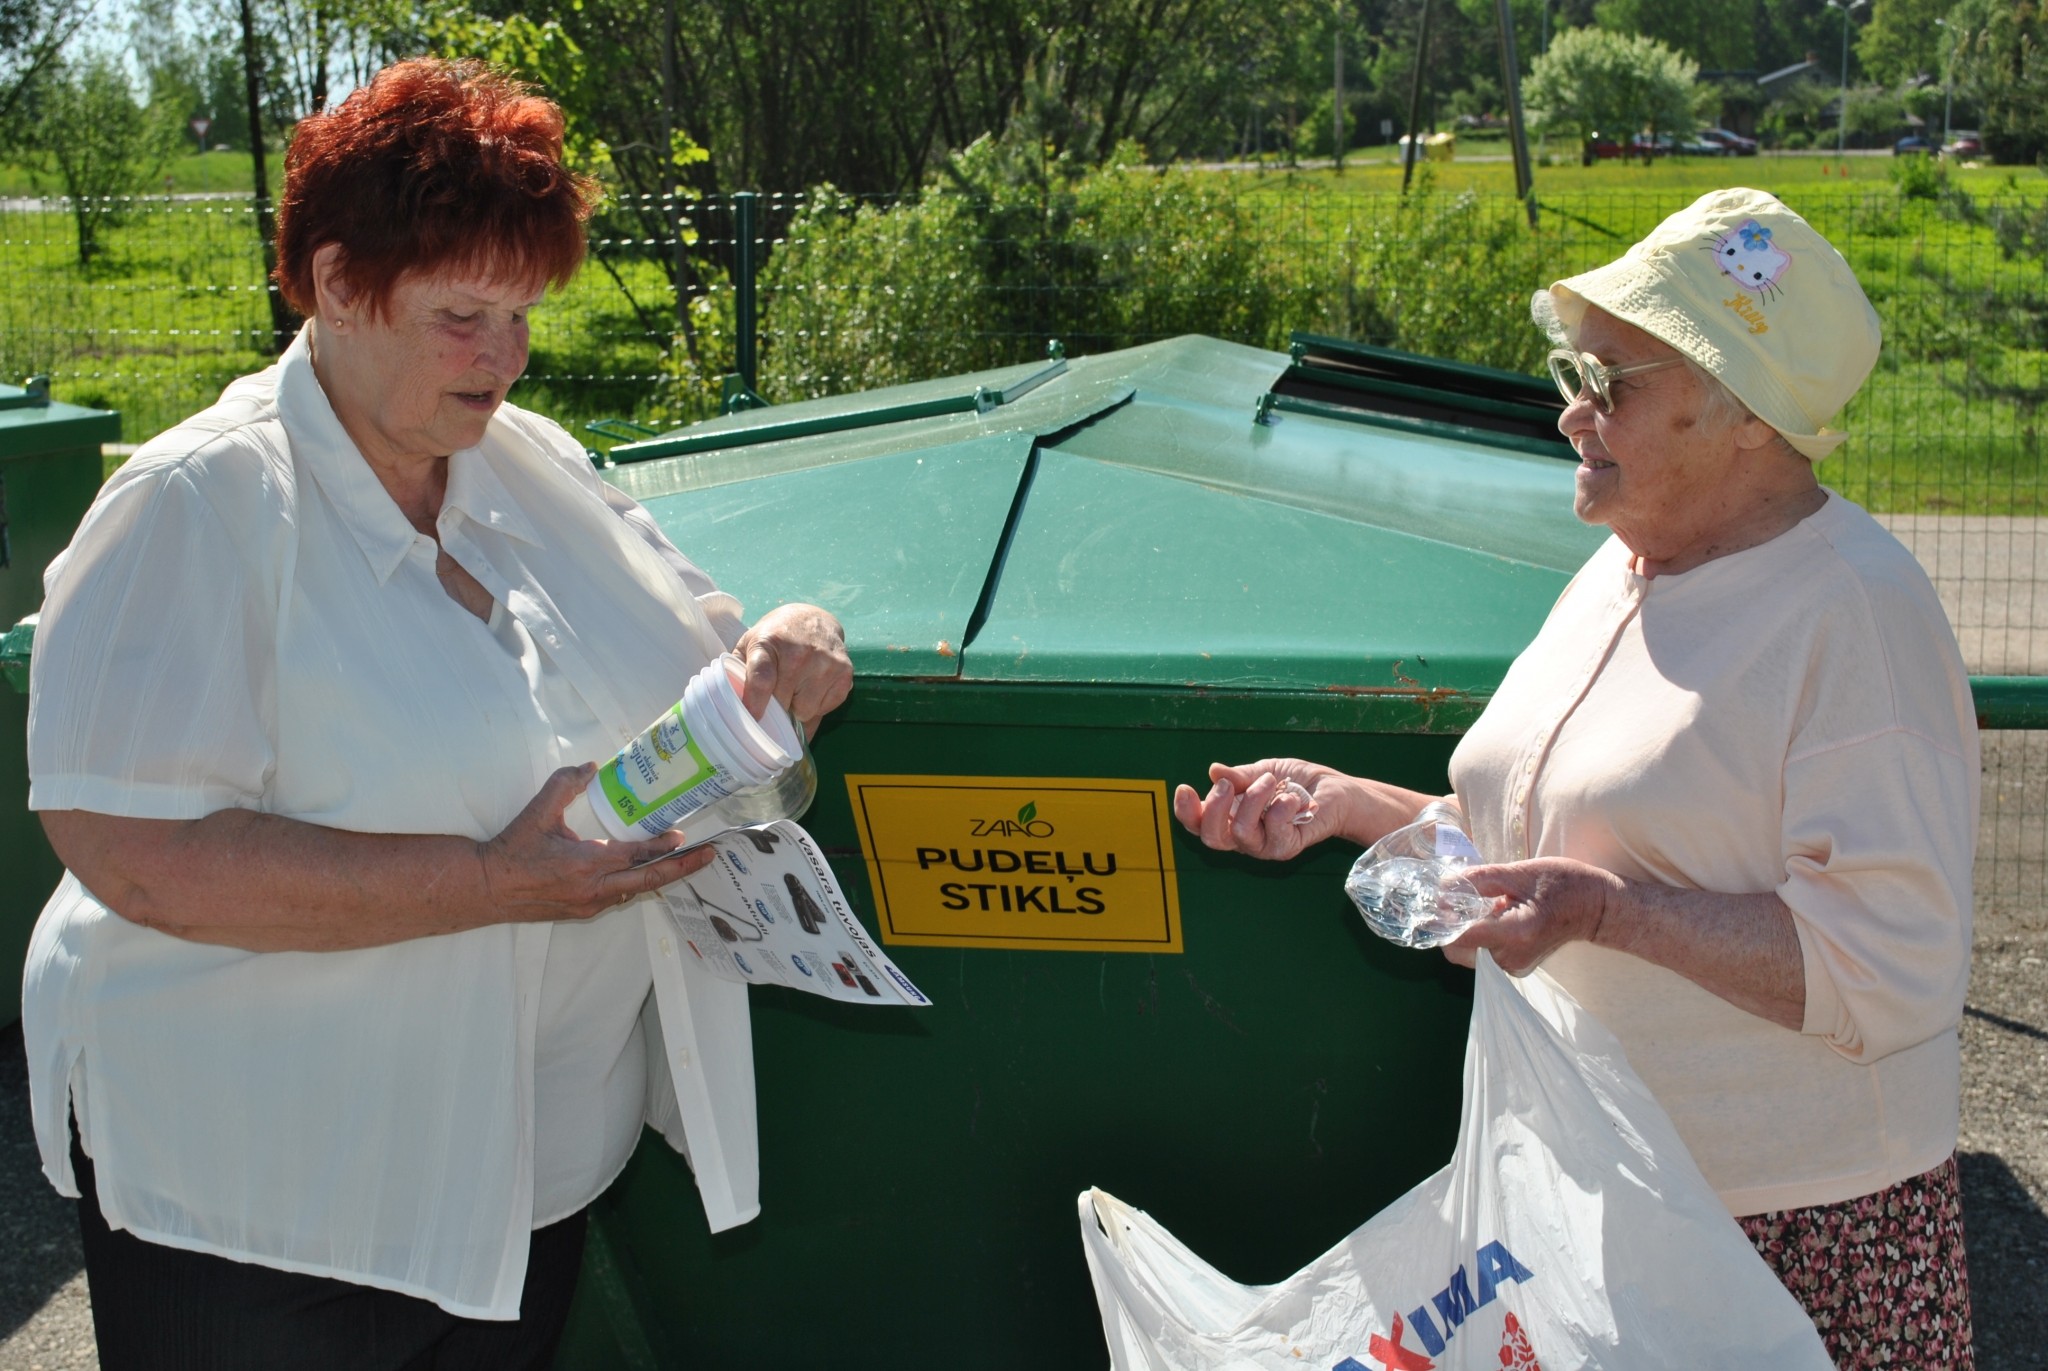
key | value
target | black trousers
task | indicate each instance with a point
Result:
(157, 1308)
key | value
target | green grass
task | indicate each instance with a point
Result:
(173, 309)
(187, 173)
(1379, 169)
(1950, 421)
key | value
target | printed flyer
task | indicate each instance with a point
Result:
(768, 911)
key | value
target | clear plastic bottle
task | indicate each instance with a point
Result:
(1407, 884)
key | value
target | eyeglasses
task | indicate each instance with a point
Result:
(1579, 372)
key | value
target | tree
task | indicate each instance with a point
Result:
(1902, 40)
(1708, 33)
(2002, 63)
(1464, 51)
(1874, 115)
(189, 73)
(1592, 80)
(1788, 30)
(684, 98)
(320, 47)
(86, 128)
(872, 94)
(32, 33)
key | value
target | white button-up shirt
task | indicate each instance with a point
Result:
(245, 618)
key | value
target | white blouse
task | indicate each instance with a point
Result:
(246, 619)
(590, 1055)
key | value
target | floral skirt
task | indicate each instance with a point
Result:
(1883, 1276)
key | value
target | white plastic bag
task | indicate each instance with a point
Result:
(1570, 1230)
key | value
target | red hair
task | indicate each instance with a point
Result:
(435, 166)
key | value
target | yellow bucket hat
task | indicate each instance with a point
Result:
(1747, 289)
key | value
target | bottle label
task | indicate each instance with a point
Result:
(661, 776)
(1453, 846)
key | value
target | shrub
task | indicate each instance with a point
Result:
(1445, 276)
(1024, 247)
(863, 295)
(1919, 177)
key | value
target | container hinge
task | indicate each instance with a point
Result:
(1263, 412)
(736, 395)
(986, 399)
(620, 430)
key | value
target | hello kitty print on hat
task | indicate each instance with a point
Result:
(1747, 289)
(1749, 257)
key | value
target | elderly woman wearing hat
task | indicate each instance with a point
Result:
(1730, 790)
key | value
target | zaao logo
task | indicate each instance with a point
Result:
(1026, 823)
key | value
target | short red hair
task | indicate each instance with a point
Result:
(435, 166)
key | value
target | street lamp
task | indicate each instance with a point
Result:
(1842, 119)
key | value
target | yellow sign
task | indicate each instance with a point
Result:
(1046, 862)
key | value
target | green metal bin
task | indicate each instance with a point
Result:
(49, 473)
(1068, 587)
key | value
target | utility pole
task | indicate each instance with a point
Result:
(1511, 86)
(1842, 118)
(671, 193)
(282, 324)
(1415, 100)
(1337, 97)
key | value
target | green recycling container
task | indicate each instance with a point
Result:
(49, 473)
(1067, 587)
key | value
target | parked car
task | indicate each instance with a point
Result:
(1646, 145)
(1737, 145)
(1964, 143)
(1912, 142)
(1600, 145)
(1702, 147)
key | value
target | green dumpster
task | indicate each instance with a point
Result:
(49, 472)
(1066, 588)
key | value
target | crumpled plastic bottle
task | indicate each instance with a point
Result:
(1408, 886)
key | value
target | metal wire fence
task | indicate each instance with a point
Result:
(859, 292)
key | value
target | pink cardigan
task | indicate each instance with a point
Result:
(1796, 718)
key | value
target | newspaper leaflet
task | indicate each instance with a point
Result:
(767, 911)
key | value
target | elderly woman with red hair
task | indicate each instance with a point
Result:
(336, 1024)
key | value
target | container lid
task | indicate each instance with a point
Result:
(32, 424)
(1146, 518)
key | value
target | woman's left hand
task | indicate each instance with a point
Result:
(796, 654)
(1548, 901)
